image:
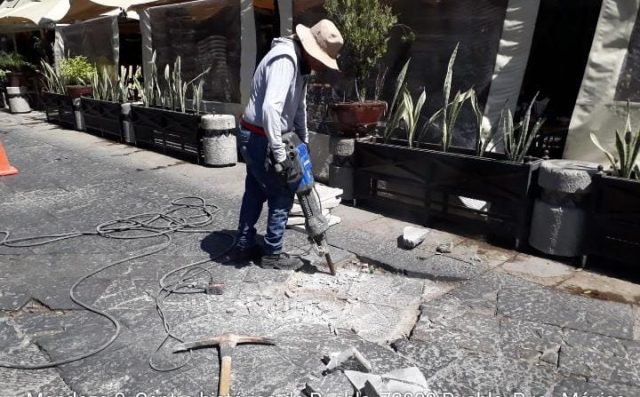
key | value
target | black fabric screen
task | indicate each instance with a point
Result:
(438, 26)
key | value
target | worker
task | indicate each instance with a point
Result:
(277, 105)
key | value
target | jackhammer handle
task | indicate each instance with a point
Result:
(224, 384)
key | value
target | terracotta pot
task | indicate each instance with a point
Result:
(358, 118)
(76, 91)
(16, 79)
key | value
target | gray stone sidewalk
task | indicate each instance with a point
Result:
(480, 320)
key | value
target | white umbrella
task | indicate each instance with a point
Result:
(31, 15)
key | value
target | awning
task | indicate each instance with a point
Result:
(25, 15)
(30, 15)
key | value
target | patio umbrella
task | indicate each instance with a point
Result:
(81, 10)
(31, 15)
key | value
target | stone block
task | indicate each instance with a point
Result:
(557, 230)
(342, 177)
(412, 237)
(567, 176)
(321, 156)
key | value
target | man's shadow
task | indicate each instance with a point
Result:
(219, 244)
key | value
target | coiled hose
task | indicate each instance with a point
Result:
(184, 215)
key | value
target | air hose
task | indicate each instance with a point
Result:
(184, 215)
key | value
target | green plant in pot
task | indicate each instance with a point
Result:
(365, 26)
(77, 73)
(625, 163)
(15, 67)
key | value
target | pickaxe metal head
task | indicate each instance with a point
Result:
(224, 341)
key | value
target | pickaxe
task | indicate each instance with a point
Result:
(225, 344)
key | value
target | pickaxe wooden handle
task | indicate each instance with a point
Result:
(225, 344)
(224, 384)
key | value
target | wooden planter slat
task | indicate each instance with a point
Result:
(102, 117)
(168, 131)
(59, 109)
(614, 224)
(425, 182)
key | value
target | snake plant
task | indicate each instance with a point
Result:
(484, 134)
(518, 138)
(625, 164)
(451, 108)
(106, 88)
(54, 82)
(175, 96)
(403, 110)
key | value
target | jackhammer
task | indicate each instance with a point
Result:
(301, 182)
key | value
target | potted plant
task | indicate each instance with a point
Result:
(164, 120)
(15, 67)
(103, 112)
(58, 106)
(429, 181)
(614, 225)
(365, 26)
(76, 73)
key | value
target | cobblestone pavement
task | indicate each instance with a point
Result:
(480, 321)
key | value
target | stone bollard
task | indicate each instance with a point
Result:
(219, 139)
(559, 215)
(77, 112)
(18, 102)
(341, 170)
(128, 133)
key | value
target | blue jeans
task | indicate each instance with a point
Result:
(261, 184)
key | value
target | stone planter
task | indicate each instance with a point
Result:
(17, 98)
(219, 145)
(171, 132)
(492, 194)
(614, 220)
(558, 225)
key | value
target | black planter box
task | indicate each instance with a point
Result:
(171, 132)
(425, 184)
(614, 221)
(59, 109)
(103, 118)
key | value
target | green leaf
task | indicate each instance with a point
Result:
(610, 157)
(622, 153)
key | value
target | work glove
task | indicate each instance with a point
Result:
(287, 172)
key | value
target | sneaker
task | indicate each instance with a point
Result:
(281, 261)
(238, 254)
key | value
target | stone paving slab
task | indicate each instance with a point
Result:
(476, 320)
(22, 383)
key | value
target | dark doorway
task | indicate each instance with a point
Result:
(559, 54)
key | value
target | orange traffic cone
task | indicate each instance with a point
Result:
(5, 167)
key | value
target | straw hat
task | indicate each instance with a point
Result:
(322, 41)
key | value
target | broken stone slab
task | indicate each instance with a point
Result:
(444, 248)
(332, 385)
(551, 355)
(296, 209)
(325, 193)
(403, 380)
(333, 220)
(412, 237)
(343, 359)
